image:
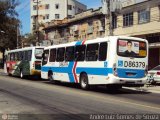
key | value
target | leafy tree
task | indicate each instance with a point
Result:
(8, 24)
(31, 38)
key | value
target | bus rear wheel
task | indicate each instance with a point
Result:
(21, 74)
(50, 77)
(84, 82)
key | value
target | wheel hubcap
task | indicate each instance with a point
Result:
(21, 75)
(84, 83)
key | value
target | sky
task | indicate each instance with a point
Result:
(24, 12)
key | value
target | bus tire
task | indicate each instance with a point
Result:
(21, 74)
(50, 77)
(84, 81)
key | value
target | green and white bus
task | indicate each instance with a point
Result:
(24, 62)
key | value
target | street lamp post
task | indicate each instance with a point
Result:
(108, 8)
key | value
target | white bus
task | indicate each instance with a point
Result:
(23, 62)
(114, 61)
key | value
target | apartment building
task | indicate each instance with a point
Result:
(139, 20)
(53, 10)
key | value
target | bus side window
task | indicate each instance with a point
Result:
(29, 55)
(103, 51)
(16, 56)
(52, 57)
(60, 54)
(92, 52)
(45, 57)
(20, 55)
(69, 56)
(12, 57)
(8, 57)
(25, 55)
(80, 53)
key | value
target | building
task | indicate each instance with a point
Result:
(53, 10)
(139, 20)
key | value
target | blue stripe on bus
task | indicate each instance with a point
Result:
(90, 71)
(79, 43)
(94, 71)
(139, 73)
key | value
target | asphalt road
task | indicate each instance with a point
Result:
(37, 98)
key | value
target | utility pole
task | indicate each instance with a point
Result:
(17, 35)
(37, 23)
(108, 8)
(110, 19)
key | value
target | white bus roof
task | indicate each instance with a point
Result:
(95, 41)
(25, 48)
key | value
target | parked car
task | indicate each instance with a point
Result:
(154, 75)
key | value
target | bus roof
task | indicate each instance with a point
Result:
(25, 48)
(95, 41)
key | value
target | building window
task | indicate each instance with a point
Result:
(79, 10)
(47, 6)
(47, 16)
(128, 19)
(35, 7)
(69, 16)
(57, 16)
(57, 6)
(114, 21)
(69, 7)
(143, 16)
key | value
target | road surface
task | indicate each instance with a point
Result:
(39, 98)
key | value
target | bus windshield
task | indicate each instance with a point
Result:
(38, 53)
(131, 48)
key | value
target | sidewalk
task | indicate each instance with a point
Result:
(147, 88)
(2, 70)
(152, 88)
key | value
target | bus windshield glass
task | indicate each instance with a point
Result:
(131, 48)
(38, 53)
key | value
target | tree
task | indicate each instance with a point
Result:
(31, 38)
(8, 24)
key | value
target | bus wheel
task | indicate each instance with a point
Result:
(50, 77)
(21, 74)
(84, 82)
